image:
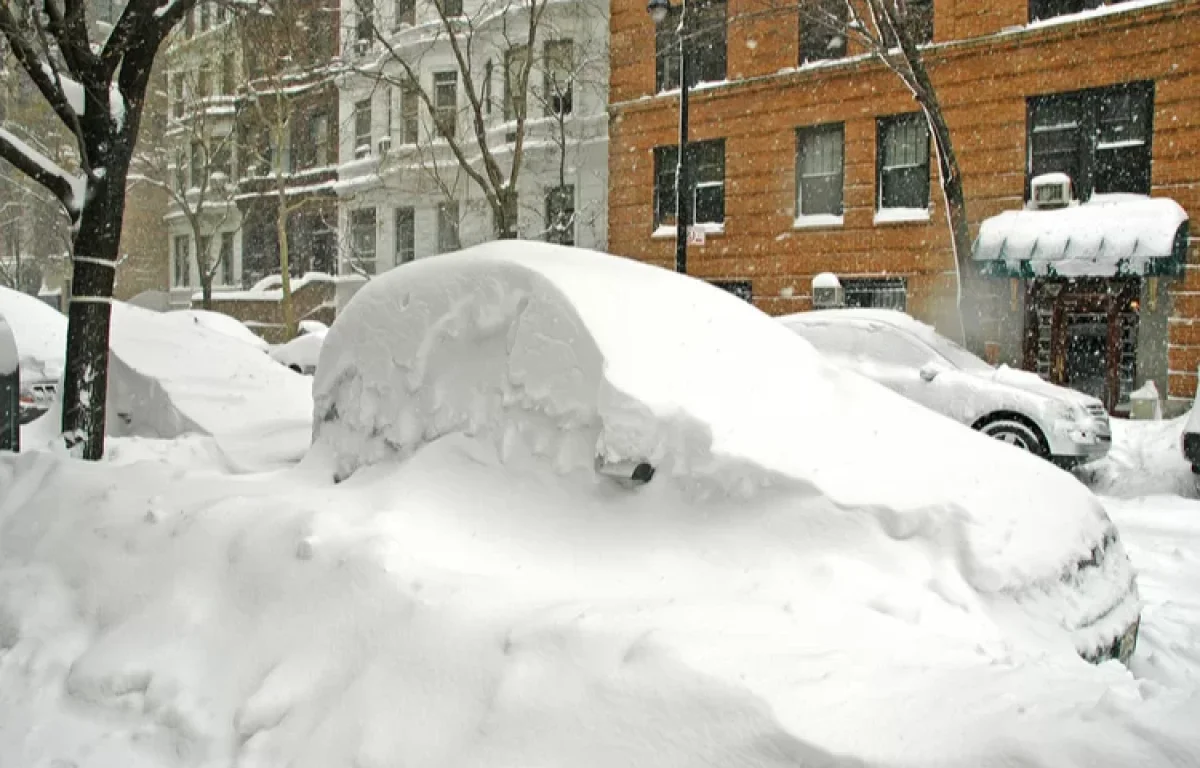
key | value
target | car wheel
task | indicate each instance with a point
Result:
(1017, 434)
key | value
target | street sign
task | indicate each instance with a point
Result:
(695, 236)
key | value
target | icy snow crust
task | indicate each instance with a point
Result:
(570, 355)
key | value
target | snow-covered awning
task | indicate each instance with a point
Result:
(1108, 236)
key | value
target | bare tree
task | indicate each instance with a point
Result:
(194, 166)
(97, 90)
(283, 45)
(893, 32)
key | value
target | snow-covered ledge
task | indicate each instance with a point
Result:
(665, 231)
(818, 221)
(901, 215)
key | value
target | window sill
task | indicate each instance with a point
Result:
(902, 216)
(667, 231)
(818, 221)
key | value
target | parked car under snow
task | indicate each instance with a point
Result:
(649, 418)
(910, 358)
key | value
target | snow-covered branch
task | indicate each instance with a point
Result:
(67, 188)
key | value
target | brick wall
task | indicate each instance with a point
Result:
(983, 84)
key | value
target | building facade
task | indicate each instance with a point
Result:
(421, 125)
(810, 157)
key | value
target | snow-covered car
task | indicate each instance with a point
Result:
(301, 353)
(656, 419)
(910, 358)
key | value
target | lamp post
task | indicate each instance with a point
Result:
(659, 11)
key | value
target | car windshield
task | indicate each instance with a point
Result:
(958, 356)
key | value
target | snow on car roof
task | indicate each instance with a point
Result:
(570, 354)
(1106, 235)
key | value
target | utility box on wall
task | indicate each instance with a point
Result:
(10, 390)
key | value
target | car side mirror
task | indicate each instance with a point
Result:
(930, 371)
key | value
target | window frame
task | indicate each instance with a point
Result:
(664, 167)
(363, 117)
(815, 40)
(555, 197)
(410, 113)
(876, 288)
(364, 221)
(811, 132)
(707, 50)
(181, 276)
(404, 13)
(445, 116)
(883, 125)
(449, 238)
(226, 255)
(1091, 168)
(516, 105)
(558, 102)
(404, 215)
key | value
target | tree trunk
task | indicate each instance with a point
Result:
(285, 267)
(206, 291)
(97, 240)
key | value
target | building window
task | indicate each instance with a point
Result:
(204, 81)
(445, 102)
(362, 240)
(560, 215)
(204, 256)
(365, 26)
(447, 217)
(318, 139)
(820, 170)
(406, 235)
(222, 157)
(182, 268)
(405, 12)
(205, 17)
(487, 87)
(1101, 138)
(903, 160)
(226, 258)
(822, 34)
(228, 75)
(451, 8)
(409, 110)
(198, 177)
(362, 129)
(1048, 9)
(876, 292)
(189, 23)
(706, 171)
(558, 70)
(705, 49)
(177, 94)
(740, 288)
(919, 20)
(516, 79)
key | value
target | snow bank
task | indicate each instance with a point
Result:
(521, 345)
(168, 378)
(1100, 237)
(220, 323)
(1146, 458)
(270, 288)
(40, 331)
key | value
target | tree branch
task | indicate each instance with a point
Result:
(30, 162)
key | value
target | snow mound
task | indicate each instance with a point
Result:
(220, 323)
(40, 332)
(1146, 458)
(523, 345)
(168, 378)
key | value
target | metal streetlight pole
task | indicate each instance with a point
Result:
(659, 11)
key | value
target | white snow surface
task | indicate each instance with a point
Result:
(303, 351)
(220, 323)
(1146, 459)
(826, 280)
(269, 288)
(472, 606)
(40, 331)
(1092, 238)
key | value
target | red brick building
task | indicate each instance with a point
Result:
(814, 168)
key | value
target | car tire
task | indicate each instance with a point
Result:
(1016, 433)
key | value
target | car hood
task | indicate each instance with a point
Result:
(1032, 384)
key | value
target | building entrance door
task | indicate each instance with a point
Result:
(1082, 334)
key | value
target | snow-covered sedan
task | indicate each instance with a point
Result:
(915, 361)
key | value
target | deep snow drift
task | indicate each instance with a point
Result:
(473, 594)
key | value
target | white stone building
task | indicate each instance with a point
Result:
(403, 191)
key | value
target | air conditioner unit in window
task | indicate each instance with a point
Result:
(827, 291)
(383, 145)
(1051, 190)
